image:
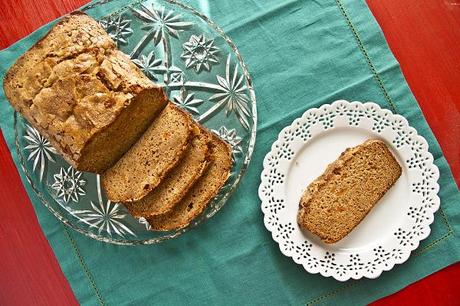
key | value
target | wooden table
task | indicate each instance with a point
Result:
(424, 35)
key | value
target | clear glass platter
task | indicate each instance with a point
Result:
(200, 69)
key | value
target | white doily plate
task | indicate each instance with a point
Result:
(394, 227)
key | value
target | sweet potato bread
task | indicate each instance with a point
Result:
(201, 193)
(337, 201)
(151, 158)
(176, 184)
(82, 93)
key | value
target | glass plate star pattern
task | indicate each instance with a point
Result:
(202, 72)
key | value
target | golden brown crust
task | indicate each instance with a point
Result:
(333, 231)
(73, 84)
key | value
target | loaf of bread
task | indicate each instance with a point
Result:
(337, 201)
(176, 184)
(85, 96)
(150, 159)
(201, 193)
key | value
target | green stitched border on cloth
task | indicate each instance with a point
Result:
(301, 54)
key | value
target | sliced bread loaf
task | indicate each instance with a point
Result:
(150, 159)
(336, 202)
(201, 193)
(79, 91)
(176, 184)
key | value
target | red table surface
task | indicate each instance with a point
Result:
(424, 35)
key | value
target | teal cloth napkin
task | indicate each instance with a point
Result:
(301, 54)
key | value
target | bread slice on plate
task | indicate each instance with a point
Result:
(337, 201)
(176, 184)
(201, 193)
(81, 93)
(150, 159)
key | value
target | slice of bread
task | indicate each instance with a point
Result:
(150, 159)
(336, 202)
(201, 193)
(176, 184)
(79, 91)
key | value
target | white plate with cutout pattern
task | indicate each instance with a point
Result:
(393, 228)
